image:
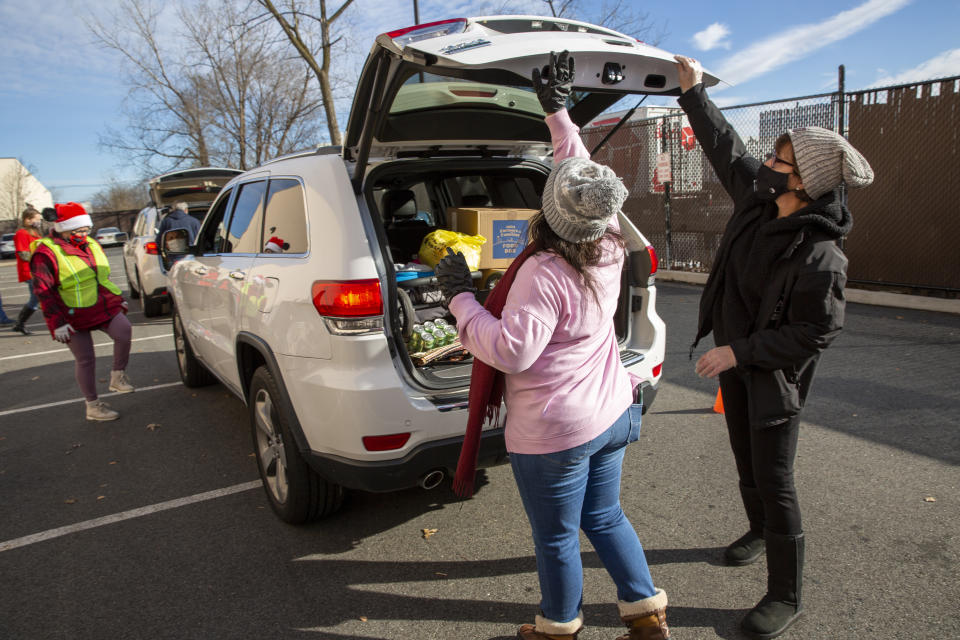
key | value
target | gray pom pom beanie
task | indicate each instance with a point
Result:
(825, 159)
(580, 197)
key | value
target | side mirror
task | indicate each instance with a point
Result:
(174, 245)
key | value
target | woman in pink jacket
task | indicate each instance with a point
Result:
(569, 398)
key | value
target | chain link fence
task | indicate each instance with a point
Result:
(904, 224)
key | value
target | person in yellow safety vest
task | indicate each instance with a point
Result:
(71, 277)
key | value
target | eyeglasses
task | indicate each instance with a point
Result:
(776, 159)
(84, 231)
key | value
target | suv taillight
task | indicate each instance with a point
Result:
(653, 259)
(403, 37)
(349, 307)
(150, 248)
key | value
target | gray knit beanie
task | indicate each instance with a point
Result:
(580, 197)
(825, 159)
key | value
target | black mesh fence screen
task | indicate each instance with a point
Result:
(904, 225)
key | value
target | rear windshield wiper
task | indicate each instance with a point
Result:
(617, 126)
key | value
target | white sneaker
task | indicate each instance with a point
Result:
(120, 383)
(100, 411)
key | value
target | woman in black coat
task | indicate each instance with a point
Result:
(774, 300)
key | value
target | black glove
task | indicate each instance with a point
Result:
(454, 277)
(554, 90)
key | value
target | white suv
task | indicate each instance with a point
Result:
(146, 276)
(313, 338)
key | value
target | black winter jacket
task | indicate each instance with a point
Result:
(794, 264)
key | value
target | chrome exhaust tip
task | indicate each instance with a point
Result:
(432, 479)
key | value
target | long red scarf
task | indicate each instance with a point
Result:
(486, 387)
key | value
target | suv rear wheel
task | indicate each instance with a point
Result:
(296, 493)
(192, 371)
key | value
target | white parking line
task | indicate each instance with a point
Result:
(99, 344)
(37, 407)
(125, 515)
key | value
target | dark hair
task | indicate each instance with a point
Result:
(579, 255)
(28, 213)
(781, 142)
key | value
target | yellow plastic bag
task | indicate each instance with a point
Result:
(434, 247)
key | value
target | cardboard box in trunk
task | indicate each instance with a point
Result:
(504, 229)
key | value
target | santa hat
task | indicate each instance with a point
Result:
(71, 216)
(274, 244)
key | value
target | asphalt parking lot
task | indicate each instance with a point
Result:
(155, 526)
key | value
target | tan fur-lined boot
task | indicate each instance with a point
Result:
(547, 629)
(645, 619)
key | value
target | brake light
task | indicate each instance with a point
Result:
(657, 369)
(151, 248)
(403, 37)
(348, 299)
(653, 259)
(385, 443)
(473, 93)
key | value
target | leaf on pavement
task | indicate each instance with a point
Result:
(428, 532)
(101, 497)
(153, 426)
(113, 462)
(34, 378)
(363, 618)
(70, 500)
(929, 499)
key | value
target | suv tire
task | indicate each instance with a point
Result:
(192, 371)
(296, 493)
(152, 307)
(134, 292)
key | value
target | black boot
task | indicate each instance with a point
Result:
(748, 548)
(782, 604)
(21, 324)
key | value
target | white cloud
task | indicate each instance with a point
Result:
(791, 45)
(712, 37)
(940, 66)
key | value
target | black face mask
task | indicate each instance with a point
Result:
(769, 184)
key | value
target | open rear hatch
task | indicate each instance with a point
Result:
(458, 93)
(197, 187)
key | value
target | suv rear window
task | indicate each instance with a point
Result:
(286, 217)
(433, 91)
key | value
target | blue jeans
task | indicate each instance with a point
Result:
(32, 303)
(575, 489)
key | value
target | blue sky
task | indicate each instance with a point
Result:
(59, 91)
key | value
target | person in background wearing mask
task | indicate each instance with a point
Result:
(774, 301)
(178, 219)
(71, 277)
(31, 222)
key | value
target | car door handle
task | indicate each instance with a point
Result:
(200, 271)
(238, 275)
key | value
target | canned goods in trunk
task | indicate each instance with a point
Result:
(451, 333)
(429, 342)
(429, 326)
(440, 322)
(416, 342)
(440, 336)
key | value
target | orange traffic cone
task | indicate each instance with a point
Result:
(718, 404)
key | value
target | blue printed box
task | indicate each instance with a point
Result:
(505, 231)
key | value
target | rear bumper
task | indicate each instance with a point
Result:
(406, 472)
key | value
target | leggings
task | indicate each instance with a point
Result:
(81, 344)
(764, 457)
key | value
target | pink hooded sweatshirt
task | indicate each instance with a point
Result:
(565, 384)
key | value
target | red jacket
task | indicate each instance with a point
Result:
(46, 282)
(21, 242)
